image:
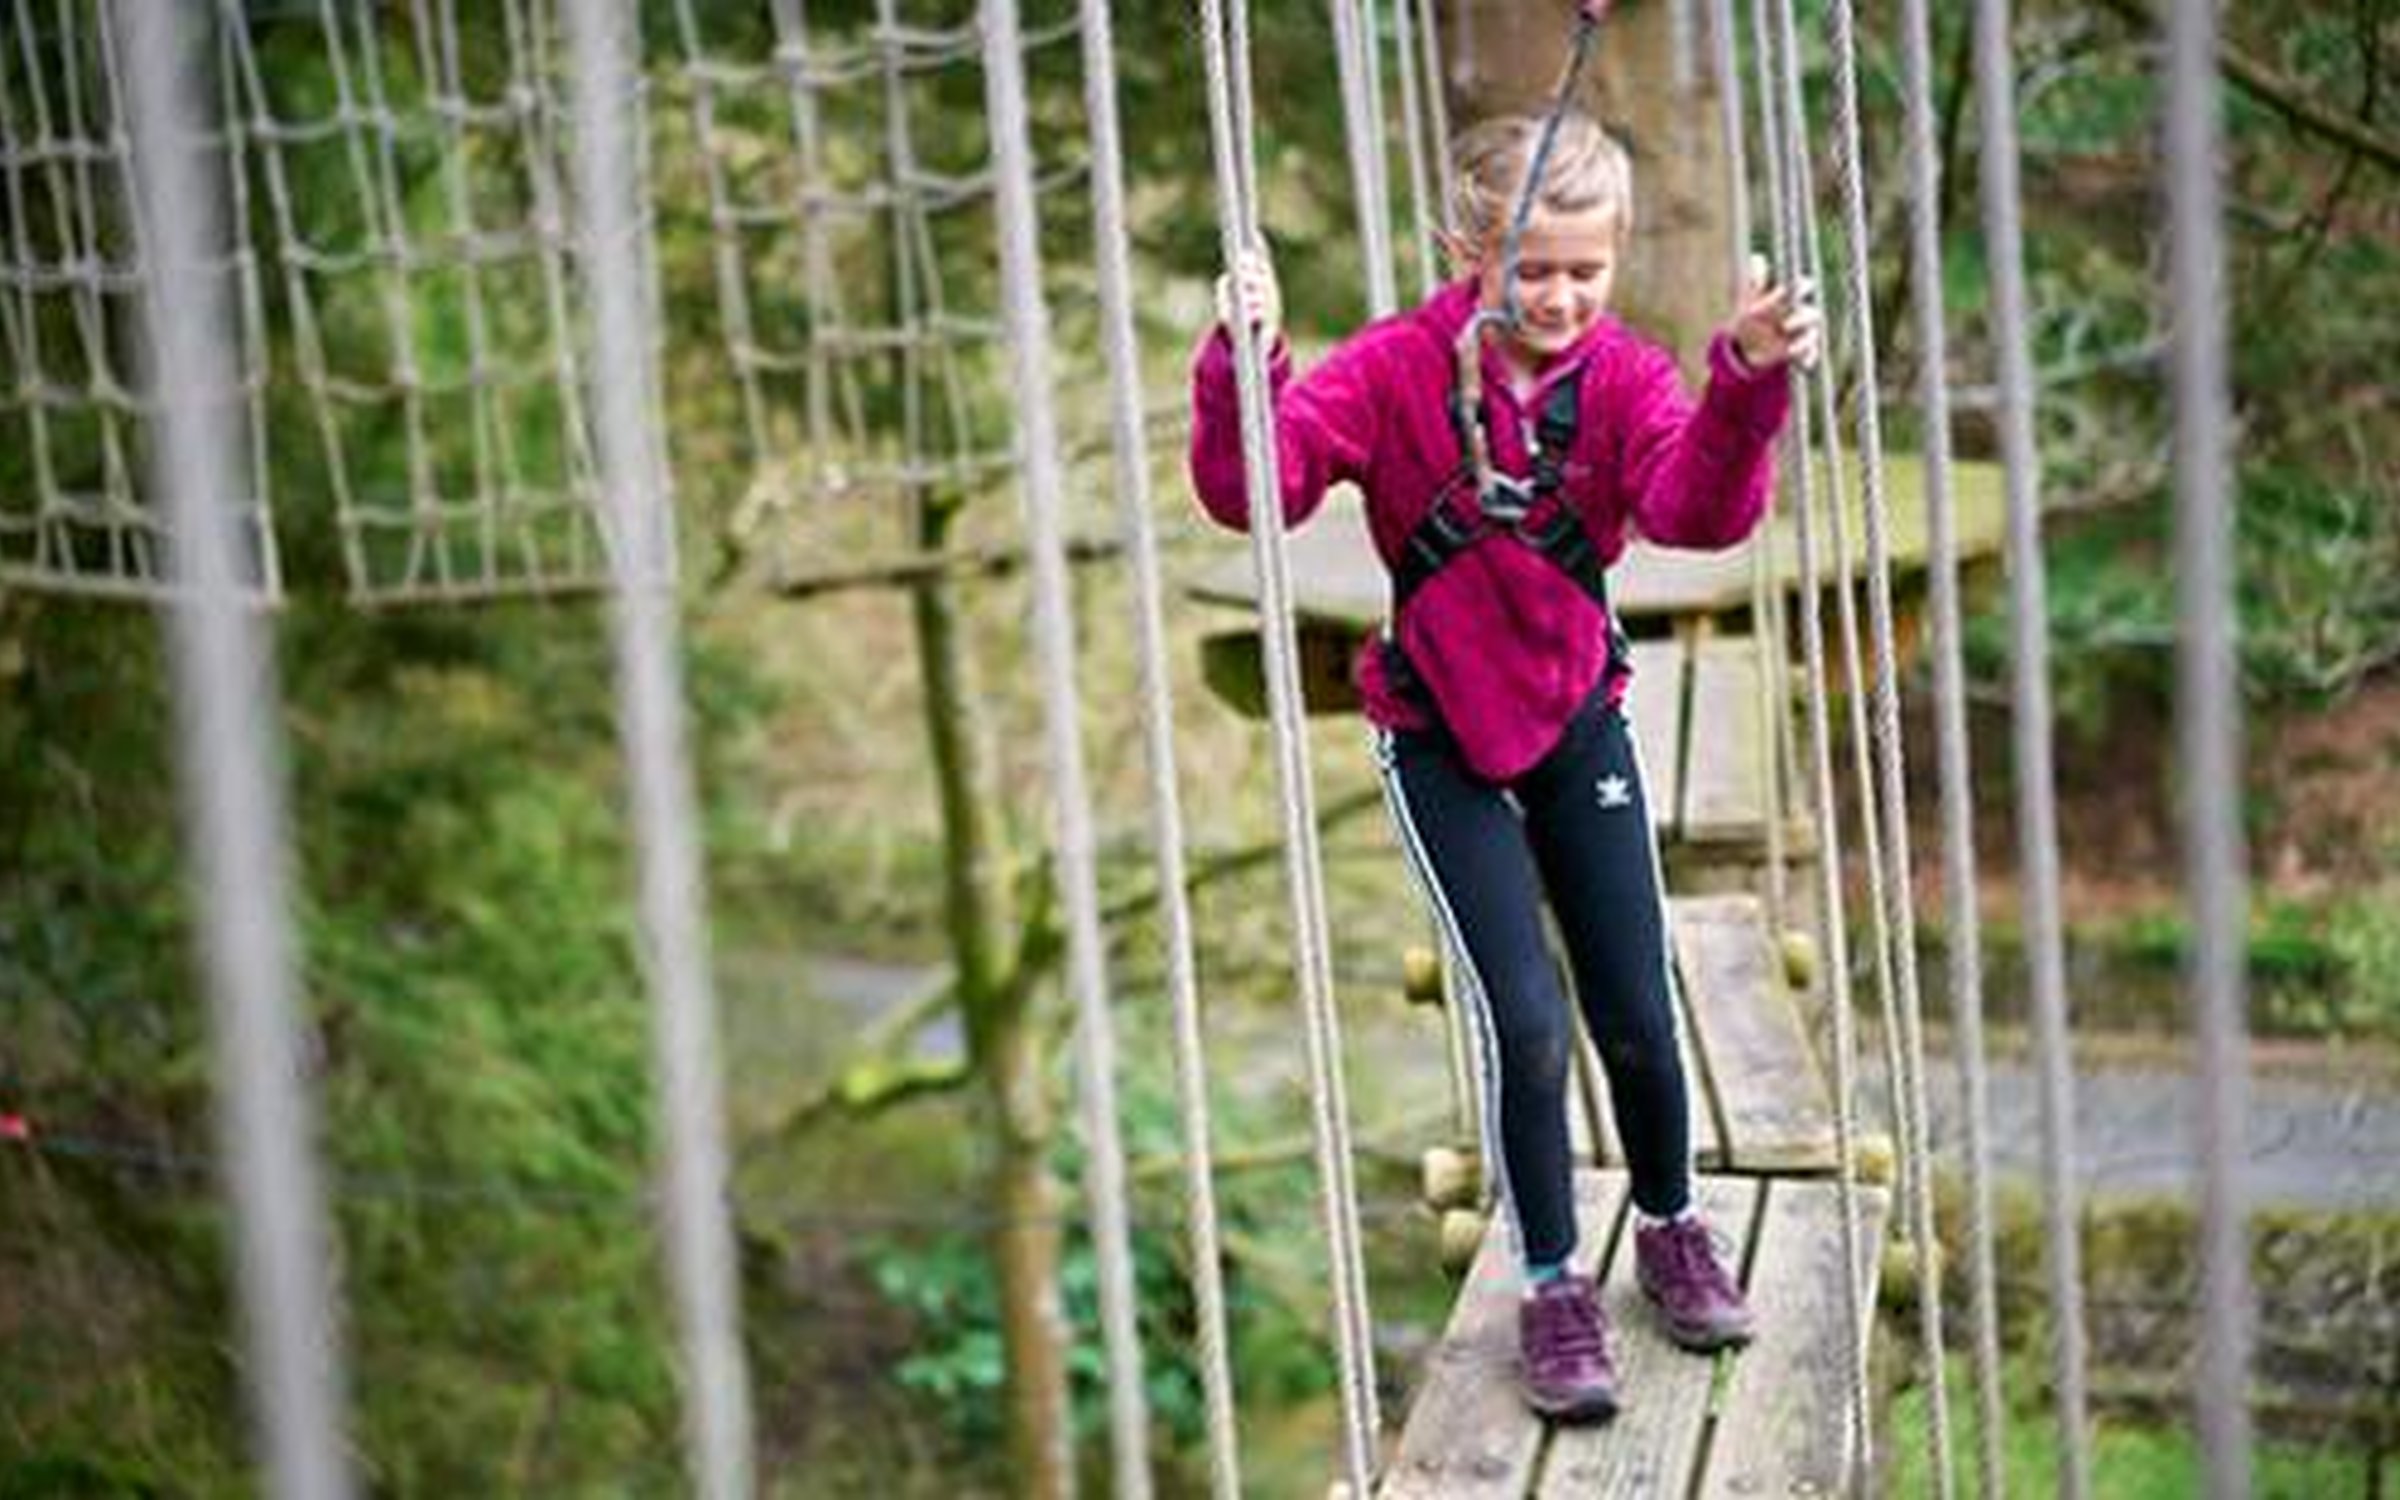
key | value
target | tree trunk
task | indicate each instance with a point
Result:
(1004, 1039)
(1505, 56)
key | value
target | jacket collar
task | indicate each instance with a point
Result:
(1445, 315)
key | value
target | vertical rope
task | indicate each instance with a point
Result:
(1112, 261)
(699, 1241)
(2209, 731)
(1965, 945)
(1765, 589)
(1437, 104)
(1780, 126)
(231, 775)
(1362, 130)
(1043, 488)
(733, 285)
(1422, 211)
(1891, 765)
(1225, 52)
(1856, 713)
(2029, 683)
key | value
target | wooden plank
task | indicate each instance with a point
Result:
(1725, 789)
(1469, 1430)
(1336, 575)
(1653, 1448)
(1655, 704)
(1770, 1098)
(1782, 1428)
(1708, 1128)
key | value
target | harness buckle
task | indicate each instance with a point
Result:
(1505, 498)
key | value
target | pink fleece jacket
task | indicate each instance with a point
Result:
(1505, 643)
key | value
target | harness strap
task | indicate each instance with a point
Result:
(1507, 505)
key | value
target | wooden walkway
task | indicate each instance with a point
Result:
(1770, 1419)
(1767, 1421)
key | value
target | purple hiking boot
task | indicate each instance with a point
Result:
(1563, 1339)
(1697, 1298)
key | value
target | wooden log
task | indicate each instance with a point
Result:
(1725, 766)
(1655, 704)
(1469, 1432)
(1653, 1448)
(1776, 1113)
(1782, 1428)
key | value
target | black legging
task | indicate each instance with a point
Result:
(1575, 828)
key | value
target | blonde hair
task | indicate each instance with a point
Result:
(1587, 169)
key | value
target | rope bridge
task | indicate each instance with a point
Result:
(456, 239)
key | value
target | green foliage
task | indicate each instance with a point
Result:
(2327, 966)
(2129, 1461)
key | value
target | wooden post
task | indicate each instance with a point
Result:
(1005, 1042)
(1674, 284)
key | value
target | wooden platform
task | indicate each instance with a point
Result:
(1337, 580)
(1767, 1421)
(1698, 718)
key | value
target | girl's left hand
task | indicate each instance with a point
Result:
(1777, 325)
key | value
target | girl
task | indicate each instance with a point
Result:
(1496, 688)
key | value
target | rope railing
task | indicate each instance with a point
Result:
(1224, 39)
(650, 700)
(1042, 486)
(1964, 941)
(2208, 713)
(1129, 431)
(1889, 791)
(1774, 42)
(2035, 774)
(230, 777)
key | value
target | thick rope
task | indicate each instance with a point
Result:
(1362, 131)
(1468, 356)
(1845, 574)
(1437, 103)
(1899, 885)
(2036, 794)
(1044, 492)
(2209, 733)
(1965, 943)
(650, 698)
(231, 775)
(1128, 430)
(1225, 51)
(1415, 79)
(1781, 128)
(1857, 712)
(1774, 693)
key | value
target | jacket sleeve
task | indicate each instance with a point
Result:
(1325, 424)
(1699, 475)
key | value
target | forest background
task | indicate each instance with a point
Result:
(479, 1027)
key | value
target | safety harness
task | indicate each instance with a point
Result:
(1533, 510)
(1504, 502)
(1507, 503)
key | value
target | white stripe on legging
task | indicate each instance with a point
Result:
(1666, 933)
(1479, 1012)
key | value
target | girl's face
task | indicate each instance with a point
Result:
(1566, 267)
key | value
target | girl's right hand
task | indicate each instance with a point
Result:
(1250, 288)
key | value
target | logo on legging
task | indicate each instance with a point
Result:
(1615, 791)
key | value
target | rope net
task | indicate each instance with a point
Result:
(398, 182)
(77, 418)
